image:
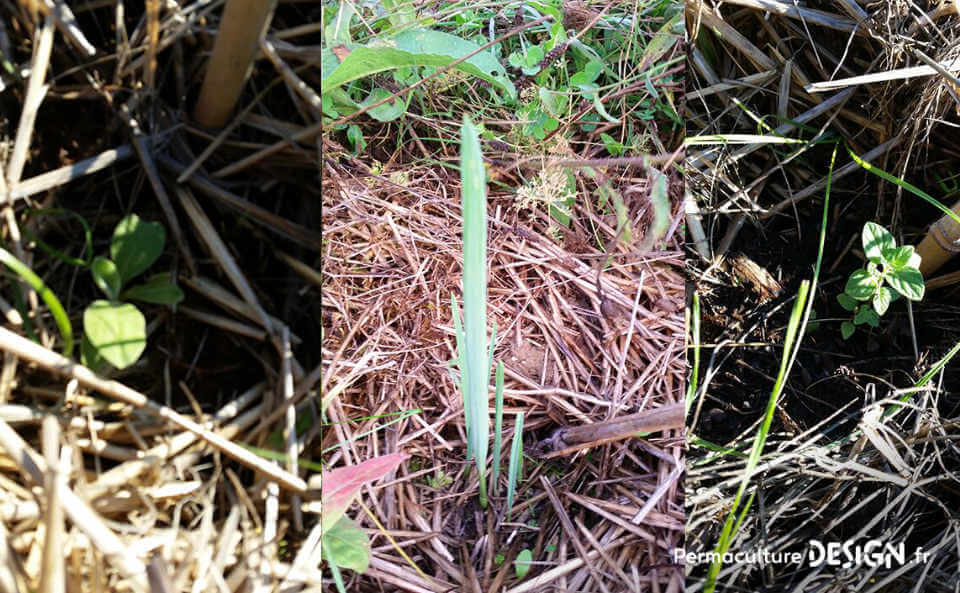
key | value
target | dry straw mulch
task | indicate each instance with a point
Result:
(574, 355)
(102, 486)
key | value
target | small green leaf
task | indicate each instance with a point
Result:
(389, 111)
(846, 329)
(355, 136)
(117, 331)
(875, 240)
(613, 146)
(158, 289)
(899, 257)
(908, 282)
(555, 103)
(522, 563)
(881, 300)
(348, 544)
(861, 285)
(106, 277)
(866, 315)
(846, 301)
(136, 244)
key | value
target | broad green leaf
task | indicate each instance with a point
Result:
(347, 544)
(908, 282)
(881, 300)
(390, 110)
(418, 47)
(340, 486)
(846, 301)
(117, 331)
(875, 240)
(136, 244)
(90, 357)
(158, 289)
(106, 277)
(861, 285)
(522, 563)
(868, 316)
(846, 329)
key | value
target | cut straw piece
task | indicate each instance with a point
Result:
(898, 74)
(36, 90)
(48, 359)
(793, 11)
(67, 23)
(76, 509)
(223, 323)
(219, 251)
(127, 472)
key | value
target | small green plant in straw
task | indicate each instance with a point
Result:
(114, 331)
(890, 272)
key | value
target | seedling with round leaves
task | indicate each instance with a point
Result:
(891, 272)
(115, 331)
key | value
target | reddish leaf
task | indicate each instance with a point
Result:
(342, 485)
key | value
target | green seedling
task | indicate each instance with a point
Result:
(891, 272)
(115, 331)
(342, 543)
(522, 564)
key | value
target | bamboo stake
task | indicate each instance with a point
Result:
(241, 27)
(941, 243)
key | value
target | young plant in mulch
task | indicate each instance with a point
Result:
(343, 544)
(890, 272)
(115, 331)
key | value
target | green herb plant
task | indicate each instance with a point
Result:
(891, 272)
(115, 331)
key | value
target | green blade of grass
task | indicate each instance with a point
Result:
(694, 379)
(474, 206)
(51, 300)
(516, 459)
(497, 428)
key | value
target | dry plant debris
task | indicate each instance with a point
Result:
(182, 472)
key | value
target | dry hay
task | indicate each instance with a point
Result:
(391, 262)
(110, 497)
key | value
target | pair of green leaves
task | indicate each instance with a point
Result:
(891, 272)
(116, 331)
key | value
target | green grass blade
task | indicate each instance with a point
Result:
(473, 182)
(905, 185)
(516, 460)
(728, 532)
(51, 300)
(695, 345)
(497, 428)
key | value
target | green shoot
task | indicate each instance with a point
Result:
(497, 428)
(51, 300)
(516, 461)
(474, 361)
